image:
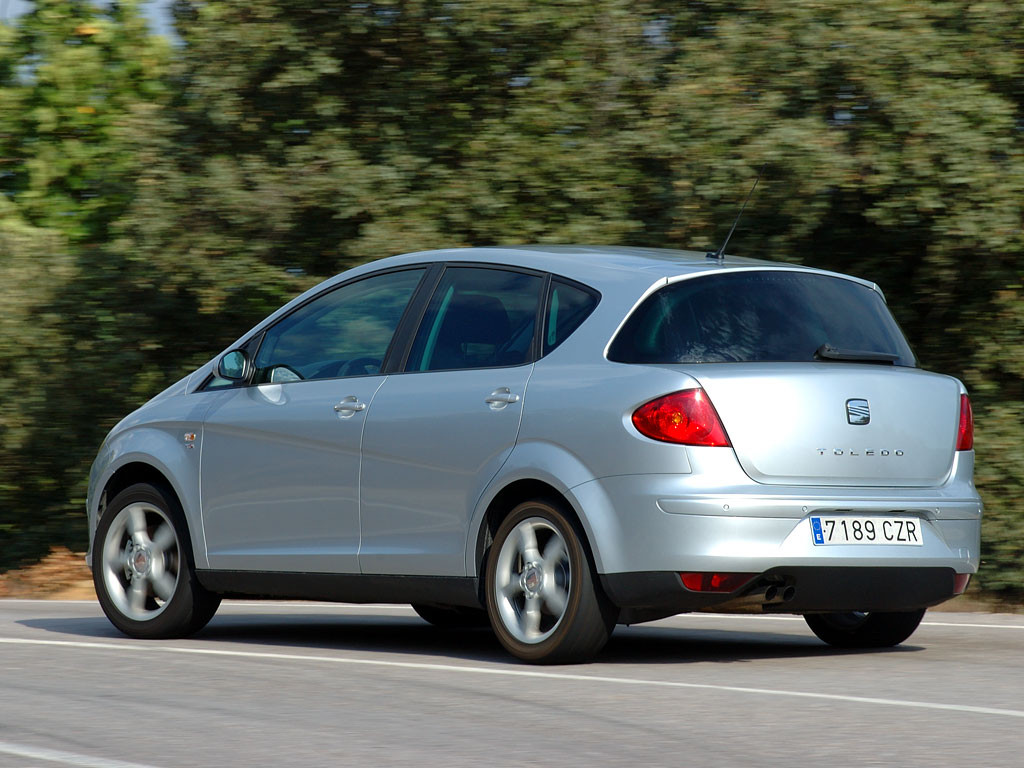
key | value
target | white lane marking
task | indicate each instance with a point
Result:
(736, 616)
(320, 606)
(975, 626)
(504, 672)
(242, 604)
(66, 758)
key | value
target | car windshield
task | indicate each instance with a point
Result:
(762, 316)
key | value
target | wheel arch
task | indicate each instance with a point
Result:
(507, 498)
(127, 475)
(149, 456)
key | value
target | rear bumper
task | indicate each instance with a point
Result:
(645, 596)
(672, 523)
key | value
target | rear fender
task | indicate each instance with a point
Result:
(564, 472)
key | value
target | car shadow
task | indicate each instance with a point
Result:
(663, 645)
(403, 635)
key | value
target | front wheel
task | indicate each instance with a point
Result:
(864, 630)
(542, 600)
(143, 572)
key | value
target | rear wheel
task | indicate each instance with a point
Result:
(864, 630)
(452, 616)
(542, 599)
(143, 571)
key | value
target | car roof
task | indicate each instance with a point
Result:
(601, 266)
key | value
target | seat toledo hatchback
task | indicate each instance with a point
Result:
(551, 441)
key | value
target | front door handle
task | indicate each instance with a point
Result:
(500, 398)
(349, 406)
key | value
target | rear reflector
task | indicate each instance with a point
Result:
(965, 435)
(960, 582)
(685, 417)
(715, 582)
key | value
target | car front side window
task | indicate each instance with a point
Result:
(345, 332)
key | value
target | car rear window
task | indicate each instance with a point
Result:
(758, 316)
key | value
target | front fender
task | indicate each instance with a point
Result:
(165, 450)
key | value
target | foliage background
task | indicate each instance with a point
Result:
(157, 197)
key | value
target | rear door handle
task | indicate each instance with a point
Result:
(349, 407)
(501, 397)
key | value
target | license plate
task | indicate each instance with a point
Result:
(906, 531)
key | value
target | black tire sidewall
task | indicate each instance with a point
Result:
(189, 607)
(579, 633)
(877, 630)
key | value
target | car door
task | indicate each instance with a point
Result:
(280, 456)
(438, 432)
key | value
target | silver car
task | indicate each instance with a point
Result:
(551, 440)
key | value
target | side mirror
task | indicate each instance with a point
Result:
(234, 366)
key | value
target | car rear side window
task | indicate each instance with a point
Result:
(568, 306)
(758, 316)
(477, 318)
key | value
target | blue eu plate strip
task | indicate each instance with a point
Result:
(819, 537)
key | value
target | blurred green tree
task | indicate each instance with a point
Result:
(320, 134)
(72, 76)
(191, 188)
(893, 133)
(34, 263)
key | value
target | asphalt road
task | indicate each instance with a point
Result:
(288, 684)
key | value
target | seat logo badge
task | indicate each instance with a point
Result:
(857, 411)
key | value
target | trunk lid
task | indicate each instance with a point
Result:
(836, 423)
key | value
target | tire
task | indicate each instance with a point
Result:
(864, 630)
(452, 616)
(541, 594)
(143, 568)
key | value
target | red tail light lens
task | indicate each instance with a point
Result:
(960, 582)
(686, 417)
(715, 582)
(965, 435)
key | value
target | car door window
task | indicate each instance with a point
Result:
(477, 318)
(345, 332)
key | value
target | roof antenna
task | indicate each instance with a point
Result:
(720, 253)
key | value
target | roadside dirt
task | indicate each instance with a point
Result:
(61, 575)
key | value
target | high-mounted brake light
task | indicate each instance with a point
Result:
(965, 435)
(685, 417)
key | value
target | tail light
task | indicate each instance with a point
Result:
(716, 582)
(685, 417)
(960, 582)
(965, 435)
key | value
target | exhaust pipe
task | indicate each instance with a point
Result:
(779, 593)
(766, 595)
